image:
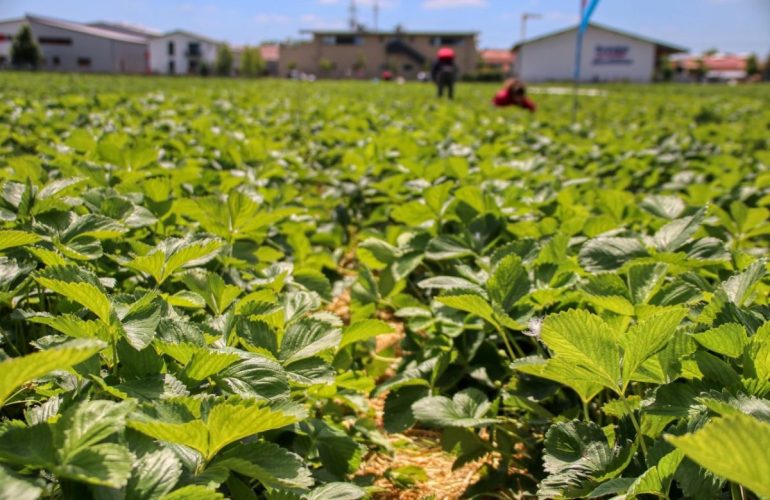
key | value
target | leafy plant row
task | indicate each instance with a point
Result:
(584, 308)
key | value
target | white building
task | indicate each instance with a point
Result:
(182, 53)
(68, 46)
(608, 55)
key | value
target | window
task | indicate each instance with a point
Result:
(446, 41)
(84, 62)
(171, 68)
(342, 40)
(52, 40)
(171, 48)
(55, 60)
(193, 49)
(408, 67)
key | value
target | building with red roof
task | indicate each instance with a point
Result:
(501, 60)
(714, 67)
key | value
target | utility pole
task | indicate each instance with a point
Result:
(376, 11)
(526, 16)
(353, 22)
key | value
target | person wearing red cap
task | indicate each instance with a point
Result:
(514, 93)
(444, 72)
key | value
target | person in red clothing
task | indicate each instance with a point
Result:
(514, 93)
(444, 72)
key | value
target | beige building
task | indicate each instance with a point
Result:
(366, 54)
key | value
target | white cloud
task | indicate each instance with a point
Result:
(328, 2)
(271, 19)
(451, 4)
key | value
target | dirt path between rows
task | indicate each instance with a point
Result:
(415, 447)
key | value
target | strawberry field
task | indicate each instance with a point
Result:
(283, 290)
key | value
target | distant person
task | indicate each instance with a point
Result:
(387, 75)
(444, 72)
(514, 93)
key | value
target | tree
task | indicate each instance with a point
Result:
(700, 69)
(326, 66)
(752, 65)
(767, 68)
(252, 63)
(25, 52)
(224, 62)
(665, 69)
(711, 52)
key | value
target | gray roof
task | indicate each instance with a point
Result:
(125, 28)
(189, 34)
(664, 45)
(85, 29)
(391, 33)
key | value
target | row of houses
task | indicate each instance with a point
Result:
(608, 54)
(104, 47)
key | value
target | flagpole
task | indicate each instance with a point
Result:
(578, 58)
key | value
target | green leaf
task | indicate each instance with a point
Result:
(676, 233)
(314, 281)
(194, 492)
(271, 465)
(212, 288)
(10, 238)
(154, 475)
(363, 330)
(339, 453)
(227, 422)
(69, 282)
(200, 362)
(472, 304)
(739, 288)
(381, 250)
(447, 248)
(17, 487)
(734, 447)
(397, 414)
(140, 320)
(563, 372)
(728, 339)
(193, 434)
(645, 280)
(608, 254)
(586, 342)
(648, 337)
(173, 254)
(207, 362)
(89, 423)
(16, 371)
(509, 282)
(336, 491)
(578, 457)
(306, 338)
(29, 446)
(233, 420)
(657, 480)
(467, 408)
(254, 377)
(106, 464)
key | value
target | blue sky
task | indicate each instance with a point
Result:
(729, 25)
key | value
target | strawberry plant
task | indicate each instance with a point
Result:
(236, 289)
